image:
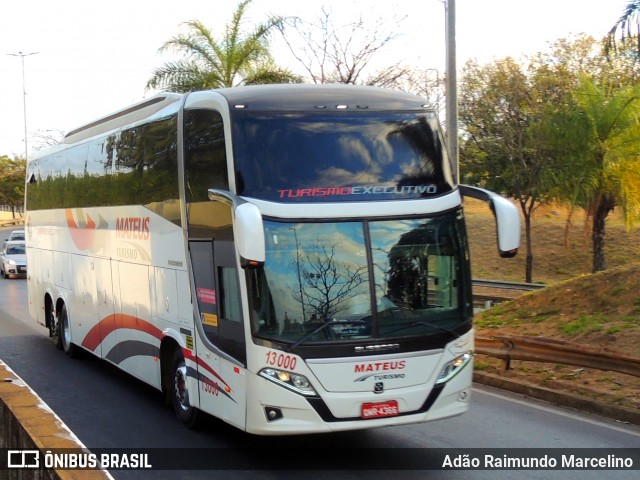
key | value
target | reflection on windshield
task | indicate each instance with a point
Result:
(416, 271)
(328, 157)
(314, 273)
(357, 280)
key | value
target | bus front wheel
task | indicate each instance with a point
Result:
(178, 384)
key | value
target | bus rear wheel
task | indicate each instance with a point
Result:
(55, 329)
(179, 391)
(64, 333)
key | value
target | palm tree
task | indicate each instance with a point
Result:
(630, 16)
(604, 156)
(235, 59)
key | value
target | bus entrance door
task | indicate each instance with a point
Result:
(222, 381)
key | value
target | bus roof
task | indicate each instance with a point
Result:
(286, 97)
(126, 116)
(311, 97)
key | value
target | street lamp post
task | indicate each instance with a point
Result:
(24, 98)
(452, 93)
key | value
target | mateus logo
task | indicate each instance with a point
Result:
(83, 229)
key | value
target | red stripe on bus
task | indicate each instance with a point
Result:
(119, 320)
(83, 234)
(188, 355)
(115, 322)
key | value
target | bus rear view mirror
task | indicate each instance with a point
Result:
(506, 215)
(249, 233)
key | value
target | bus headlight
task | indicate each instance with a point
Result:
(292, 381)
(452, 368)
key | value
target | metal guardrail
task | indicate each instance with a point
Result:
(481, 282)
(14, 222)
(556, 351)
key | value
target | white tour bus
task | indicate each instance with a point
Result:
(288, 258)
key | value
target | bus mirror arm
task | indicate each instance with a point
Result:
(247, 227)
(506, 215)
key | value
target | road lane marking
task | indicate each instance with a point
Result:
(559, 410)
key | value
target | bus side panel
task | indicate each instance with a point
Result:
(83, 304)
(105, 301)
(183, 300)
(211, 384)
(46, 268)
(34, 286)
(91, 310)
(138, 346)
(235, 408)
(164, 294)
(62, 270)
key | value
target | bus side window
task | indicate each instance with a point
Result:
(205, 155)
(205, 168)
(229, 294)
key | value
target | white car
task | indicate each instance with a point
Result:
(16, 235)
(13, 259)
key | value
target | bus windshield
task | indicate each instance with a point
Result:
(336, 281)
(339, 156)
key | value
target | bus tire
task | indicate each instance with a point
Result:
(56, 335)
(65, 333)
(177, 383)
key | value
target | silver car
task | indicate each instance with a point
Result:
(16, 235)
(13, 259)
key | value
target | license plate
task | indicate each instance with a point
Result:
(380, 409)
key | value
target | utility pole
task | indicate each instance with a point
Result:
(24, 98)
(451, 88)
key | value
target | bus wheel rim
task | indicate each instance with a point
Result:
(180, 387)
(66, 332)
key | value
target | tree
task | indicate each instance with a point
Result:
(568, 61)
(429, 83)
(502, 107)
(602, 158)
(327, 285)
(562, 64)
(533, 134)
(623, 27)
(344, 53)
(235, 59)
(46, 138)
(12, 181)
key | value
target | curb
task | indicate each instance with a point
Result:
(571, 400)
(27, 423)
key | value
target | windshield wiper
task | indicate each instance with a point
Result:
(424, 324)
(325, 325)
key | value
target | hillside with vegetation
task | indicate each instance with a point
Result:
(600, 310)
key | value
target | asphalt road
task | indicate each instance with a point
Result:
(106, 408)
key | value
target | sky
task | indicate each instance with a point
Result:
(90, 59)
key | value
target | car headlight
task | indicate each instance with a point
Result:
(452, 368)
(292, 381)
(11, 262)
